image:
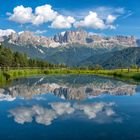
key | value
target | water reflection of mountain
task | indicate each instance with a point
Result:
(68, 87)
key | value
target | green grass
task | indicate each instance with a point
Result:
(124, 74)
(3, 80)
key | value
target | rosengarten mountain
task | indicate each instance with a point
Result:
(76, 48)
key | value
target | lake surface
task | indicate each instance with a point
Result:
(69, 107)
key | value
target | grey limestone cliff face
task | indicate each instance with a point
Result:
(84, 38)
(80, 37)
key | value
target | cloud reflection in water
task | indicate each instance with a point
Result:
(44, 115)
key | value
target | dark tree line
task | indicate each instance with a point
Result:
(16, 59)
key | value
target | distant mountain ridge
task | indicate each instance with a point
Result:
(70, 47)
(80, 37)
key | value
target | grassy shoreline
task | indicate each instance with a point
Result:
(7, 75)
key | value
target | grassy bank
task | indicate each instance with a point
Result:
(117, 73)
(12, 74)
(3, 80)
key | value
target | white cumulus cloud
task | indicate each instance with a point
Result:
(21, 14)
(62, 22)
(41, 15)
(92, 20)
(44, 14)
(97, 19)
(6, 32)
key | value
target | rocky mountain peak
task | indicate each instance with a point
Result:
(75, 36)
(84, 38)
(70, 37)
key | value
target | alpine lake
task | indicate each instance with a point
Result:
(69, 107)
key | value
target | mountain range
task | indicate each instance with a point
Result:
(76, 48)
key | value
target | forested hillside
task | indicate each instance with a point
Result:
(16, 59)
(118, 59)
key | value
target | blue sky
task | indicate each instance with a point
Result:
(47, 17)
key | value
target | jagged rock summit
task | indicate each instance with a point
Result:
(80, 37)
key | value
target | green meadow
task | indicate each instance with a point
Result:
(124, 74)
